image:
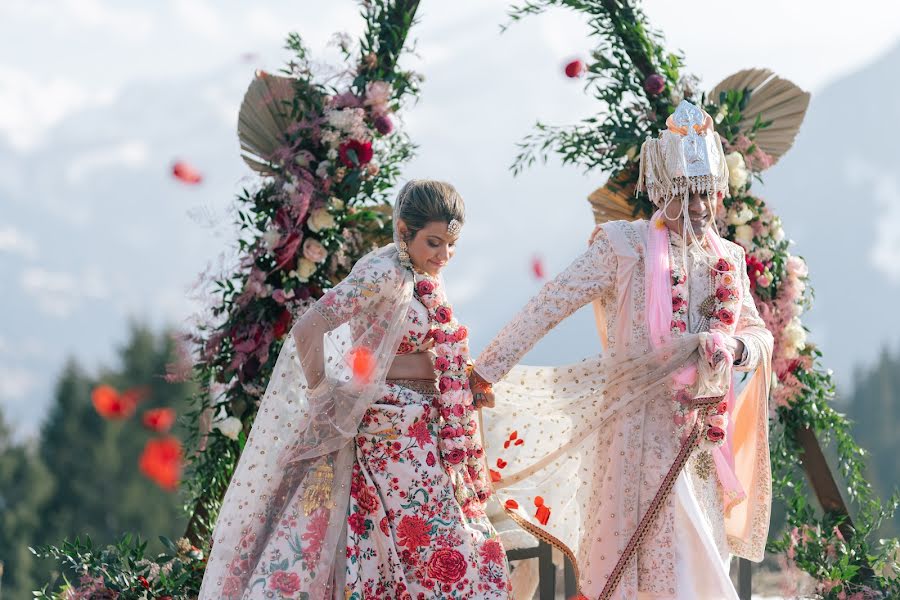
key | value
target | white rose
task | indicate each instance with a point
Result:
(743, 234)
(795, 338)
(322, 169)
(739, 217)
(230, 427)
(305, 269)
(776, 231)
(737, 170)
(320, 219)
(271, 238)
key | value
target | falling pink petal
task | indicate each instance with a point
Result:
(186, 173)
(537, 267)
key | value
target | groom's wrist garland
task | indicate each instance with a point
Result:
(638, 83)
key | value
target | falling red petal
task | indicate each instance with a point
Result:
(161, 462)
(363, 365)
(109, 404)
(537, 267)
(511, 504)
(186, 173)
(574, 69)
(495, 476)
(159, 419)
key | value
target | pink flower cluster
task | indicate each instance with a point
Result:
(755, 159)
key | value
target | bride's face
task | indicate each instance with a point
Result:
(431, 248)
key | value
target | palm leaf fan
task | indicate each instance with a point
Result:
(773, 99)
(263, 119)
(615, 200)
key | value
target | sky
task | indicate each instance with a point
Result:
(98, 96)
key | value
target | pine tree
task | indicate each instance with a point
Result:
(25, 486)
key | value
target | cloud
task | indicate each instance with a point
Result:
(90, 14)
(132, 153)
(199, 17)
(14, 241)
(31, 105)
(58, 293)
(16, 383)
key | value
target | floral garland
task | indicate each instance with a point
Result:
(461, 450)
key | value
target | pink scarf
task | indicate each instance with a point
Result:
(659, 317)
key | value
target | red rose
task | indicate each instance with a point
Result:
(723, 294)
(679, 325)
(722, 265)
(445, 385)
(357, 523)
(654, 84)
(715, 434)
(726, 316)
(454, 457)
(447, 565)
(677, 303)
(441, 364)
(284, 582)
(424, 287)
(574, 69)
(355, 153)
(443, 314)
(384, 125)
(462, 333)
(438, 336)
(282, 324)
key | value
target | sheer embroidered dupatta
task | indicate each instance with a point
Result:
(293, 477)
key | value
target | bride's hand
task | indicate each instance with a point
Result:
(482, 394)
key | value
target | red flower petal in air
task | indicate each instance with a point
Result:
(363, 364)
(185, 173)
(519, 442)
(537, 267)
(501, 464)
(511, 504)
(495, 476)
(110, 404)
(574, 69)
(159, 419)
(161, 462)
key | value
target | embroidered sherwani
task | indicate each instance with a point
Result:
(601, 450)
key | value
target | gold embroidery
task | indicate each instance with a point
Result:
(704, 465)
(318, 491)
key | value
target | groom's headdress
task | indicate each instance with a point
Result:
(686, 157)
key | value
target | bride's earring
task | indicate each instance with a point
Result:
(404, 254)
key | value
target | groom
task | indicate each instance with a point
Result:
(643, 466)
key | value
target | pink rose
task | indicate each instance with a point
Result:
(284, 582)
(441, 364)
(722, 407)
(723, 294)
(424, 287)
(457, 410)
(454, 457)
(314, 251)
(722, 265)
(726, 316)
(445, 384)
(462, 333)
(715, 434)
(677, 303)
(443, 314)
(719, 421)
(438, 336)
(680, 325)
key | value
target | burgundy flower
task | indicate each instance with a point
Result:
(447, 565)
(424, 287)
(726, 316)
(355, 153)
(654, 84)
(282, 324)
(286, 252)
(677, 303)
(715, 434)
(443, 314)
(722, 265)
(384, 125)
(284, 582)
(574, 69)
(143, 581)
